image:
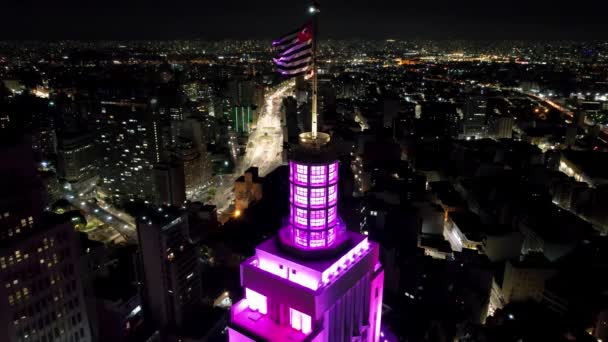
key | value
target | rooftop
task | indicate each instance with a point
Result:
(309, 273)
(254, 175)
(435, 242)
(160, 215)
(592, 163)
(447, 194)
(271, 246)
(557, 225)
(261, 325)
(469, 224)
(310, 153)
(532, 260)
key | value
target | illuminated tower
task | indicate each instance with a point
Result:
(315, 281)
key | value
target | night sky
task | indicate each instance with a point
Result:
(376, 19)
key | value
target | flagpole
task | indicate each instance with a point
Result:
(314, 10)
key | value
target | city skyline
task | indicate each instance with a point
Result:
(342, 184)
(235, 19)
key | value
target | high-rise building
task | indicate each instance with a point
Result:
(190, 157)
(200, 131)
(170, 278)
(502, 127)
(169, 183)
(315, 281)
(525, 279)
(571, 132)
(474, 121)
(129, 140)
(242, 119)
(246, 99)
(579, 118)
(390, 109)
(438, 119)
(193, 147)
(44, 140)
(77, 159)
(21, 197)
(241, 92)
(42, 293)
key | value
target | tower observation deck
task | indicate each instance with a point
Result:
(316, 281)
(314, 228)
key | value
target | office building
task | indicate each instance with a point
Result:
(315, 281)
(474, 122)
(129, 140)
(525, 279)
(193, 165)
(170, 278)
(169, 183)
(77, 159)
(390, 109)
(247, 99)
(438, 119)
(242, 119)
(502, 127)
(44, 141)
(42, 293)
(570, 138)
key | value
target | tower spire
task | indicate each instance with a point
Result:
(314, 11)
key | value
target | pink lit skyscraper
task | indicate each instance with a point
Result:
(315, 281)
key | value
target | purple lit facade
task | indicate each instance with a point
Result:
(316, 281)
(313, 197)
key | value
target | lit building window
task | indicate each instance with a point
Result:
(317, 197)
(317, 175)
(331, 215)
(332, 194)
(300, 321)
(301, 196)
(333, 173)
(301, 174)
(317, 239)
(301, 218)
(331, 236)
(301, 237)
(317, 219)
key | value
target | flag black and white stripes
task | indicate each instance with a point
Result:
(294, 52)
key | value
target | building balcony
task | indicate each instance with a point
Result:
(259, 326)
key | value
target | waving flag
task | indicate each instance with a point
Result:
(294, 52)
